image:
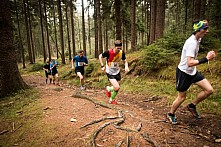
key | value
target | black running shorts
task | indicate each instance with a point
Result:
(117, 77)
(79, 70)
(183, 80)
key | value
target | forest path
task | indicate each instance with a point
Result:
(137, 120)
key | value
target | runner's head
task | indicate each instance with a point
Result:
(80, 53)
(118, 46)
(200, 27)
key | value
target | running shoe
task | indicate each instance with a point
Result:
(108, 93)
(172, 118)
(193, 111)
(113, 102)
(82, 88)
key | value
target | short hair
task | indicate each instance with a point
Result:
(118, 43)
(80, 51)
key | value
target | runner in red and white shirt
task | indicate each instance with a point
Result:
(113, 56)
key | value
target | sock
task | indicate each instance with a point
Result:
(110, 88)
(170, 114)
(191, 105)
(113, 94)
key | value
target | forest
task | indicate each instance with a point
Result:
(152, 32)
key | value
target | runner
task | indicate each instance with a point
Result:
(54, 72)
(46, 68)
(80, 61)
(187, 74)
(113, 56)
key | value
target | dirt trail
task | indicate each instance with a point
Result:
(141, 120)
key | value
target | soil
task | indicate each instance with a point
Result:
(141, 120)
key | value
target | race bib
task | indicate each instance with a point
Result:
(114, 65)
(80, 63)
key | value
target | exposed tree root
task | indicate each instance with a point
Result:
(119, 144)
(96, 102)
(147, 138)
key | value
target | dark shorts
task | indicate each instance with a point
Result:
(47, 74)
(79, 70)
(54, 72)
(117, 77)
(183, 80)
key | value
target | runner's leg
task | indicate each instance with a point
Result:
(207, 91)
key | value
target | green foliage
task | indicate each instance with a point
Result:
(14, 103)
(157, 57)
(36, 67)
(212, 40)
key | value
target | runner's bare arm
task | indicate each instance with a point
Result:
(126, 66)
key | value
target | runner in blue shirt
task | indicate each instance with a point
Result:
(80, 61)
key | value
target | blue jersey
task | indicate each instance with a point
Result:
(79, 61)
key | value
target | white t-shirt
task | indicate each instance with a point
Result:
(190, 49)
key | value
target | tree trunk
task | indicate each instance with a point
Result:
(42, 31)
(55, 29)
(152, 20)
(72, 28)
(20, 39)
(133, 25)
(118, 19)
(160, 18)
(83, 30)
(61, 31)
(100, 41)
(47, 32)
(69, 45)
(89, 31)
(95, 30)
(28, 33)
(10, 78)
(197, 6)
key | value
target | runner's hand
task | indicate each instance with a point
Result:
(211, 55)
(126, 70)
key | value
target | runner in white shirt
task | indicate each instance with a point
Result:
(187, 74)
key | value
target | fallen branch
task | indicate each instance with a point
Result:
(128, 141)
(147, 138)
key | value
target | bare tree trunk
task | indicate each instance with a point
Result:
(69, 45)
(95, 29)
(118, 19)
(133, 25)
(10, 78)
(160, 18)
(197, 6)
(152, 20)
(100, 40)
(83, 30)
(61, 30)
(47, 33)
(89, 31)
(55, 29)
(20, 39)
(28, 33)
(31, 34)
(72, 28)
(42, 30)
